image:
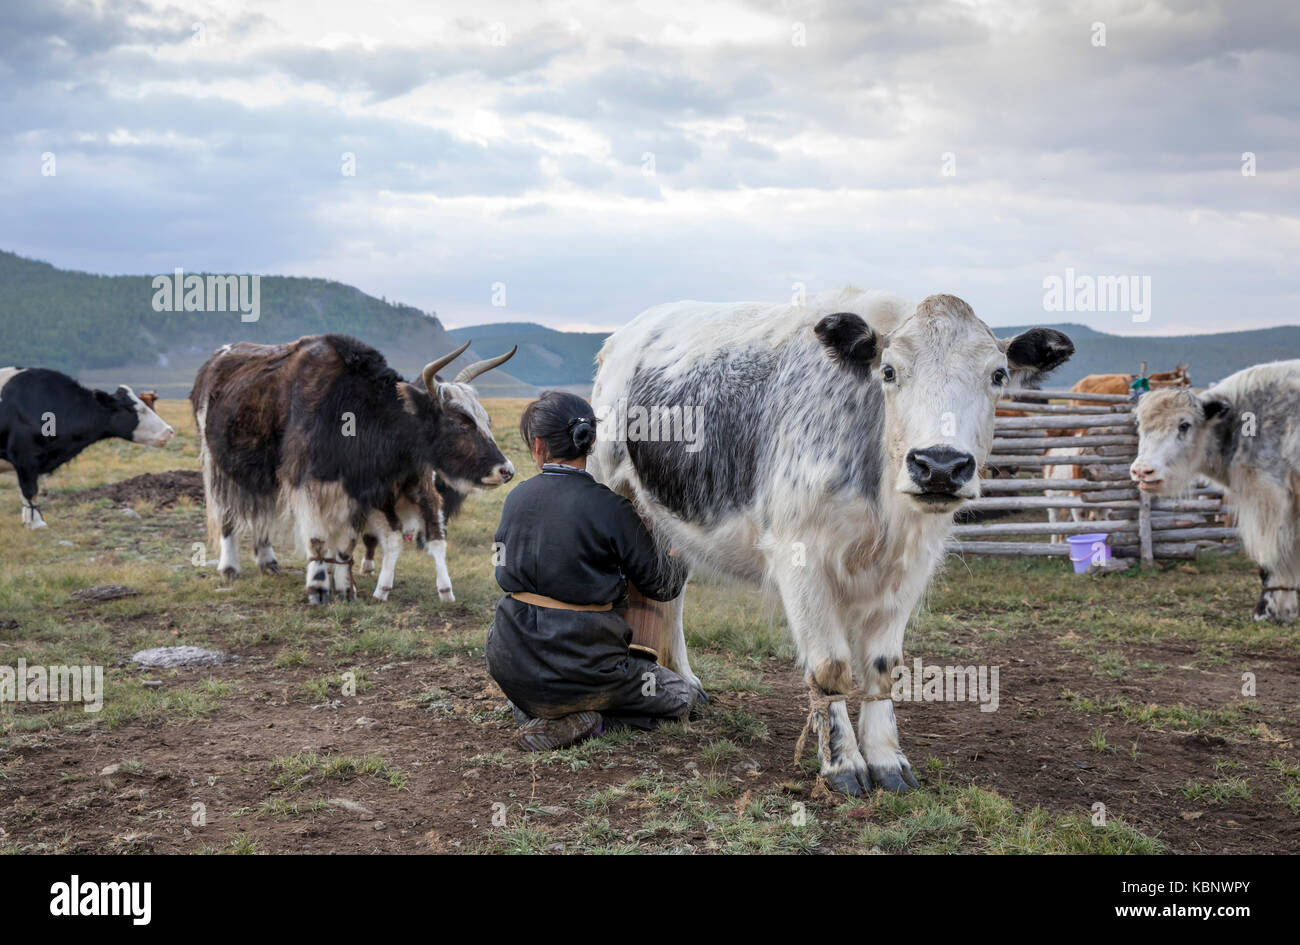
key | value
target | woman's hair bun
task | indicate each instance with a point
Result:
(583, 433)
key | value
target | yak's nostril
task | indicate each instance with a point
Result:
(940, 468)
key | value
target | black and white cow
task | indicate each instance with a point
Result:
(837, 439)
(325, 428)
(1244, 434)
(47, 418)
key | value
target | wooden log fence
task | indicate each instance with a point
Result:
(1103, 430)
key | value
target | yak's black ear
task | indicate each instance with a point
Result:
(1214, 407)
(1033, 353)
(849, 340)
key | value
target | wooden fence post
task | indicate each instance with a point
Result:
(1144, 529)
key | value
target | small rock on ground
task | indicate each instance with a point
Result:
(103, 592)
(169, 656)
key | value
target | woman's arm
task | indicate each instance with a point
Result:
(657, 575)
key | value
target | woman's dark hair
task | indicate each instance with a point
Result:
(565, 422)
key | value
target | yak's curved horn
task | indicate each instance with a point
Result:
(479, 367)
(433, 367)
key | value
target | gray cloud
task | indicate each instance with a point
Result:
(773, 162)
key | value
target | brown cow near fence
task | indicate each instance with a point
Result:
(1122, 384)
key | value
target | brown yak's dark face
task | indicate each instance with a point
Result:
(468, 456)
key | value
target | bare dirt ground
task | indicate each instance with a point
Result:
(456, 754)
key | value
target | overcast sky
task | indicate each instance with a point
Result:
(596, 158)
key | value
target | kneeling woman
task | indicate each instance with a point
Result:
(566, 548)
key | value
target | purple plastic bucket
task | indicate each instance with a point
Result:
(1087, 549)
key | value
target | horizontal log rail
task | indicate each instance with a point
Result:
(1073, 422)
(1055, 393)
(1029, 502)
(1057, 408)
(1065, 442)
(988, 486)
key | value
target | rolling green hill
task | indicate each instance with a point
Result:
(104, 330)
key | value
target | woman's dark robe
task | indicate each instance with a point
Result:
(566, 536)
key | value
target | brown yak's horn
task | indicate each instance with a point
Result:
(433, 367)
(479, 367)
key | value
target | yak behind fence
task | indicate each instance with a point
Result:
(1101, 432)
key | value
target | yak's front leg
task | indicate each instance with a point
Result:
(263, 553)
(28, 484)
(438, 552)
(1279, 598)
(434, 539)
(345, 588)
(879, 651)
(318, 572)
(368, 562)
(824, 655)
(392, 551)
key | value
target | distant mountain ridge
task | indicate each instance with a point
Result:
(104, 330)
(1210, 357)
(548, 357)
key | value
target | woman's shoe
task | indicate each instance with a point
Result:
(549, 734)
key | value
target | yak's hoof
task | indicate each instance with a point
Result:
(269, 567)
(229, 575)
(347, 596)
(445, 595)
(381, 593)
(368, 566)
(317, 597)
(898, 779)
(850, 781)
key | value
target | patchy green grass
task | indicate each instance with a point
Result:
(680, 816)
(307, 767)
(1232, 717)
(1218, 791)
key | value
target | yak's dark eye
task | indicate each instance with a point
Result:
(1184, 427)
(888, 373)
(1000, 377)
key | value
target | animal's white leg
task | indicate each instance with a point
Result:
(263, 553)
(28, 479)
(825, 657)
(676, 658)
(1279, 601)
(228, 564)
(879, 650)
(1268, 529)
(318, 572)
(392, 551)
(345, 588)
(371, 543)
(312, 536)
(438, 552)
